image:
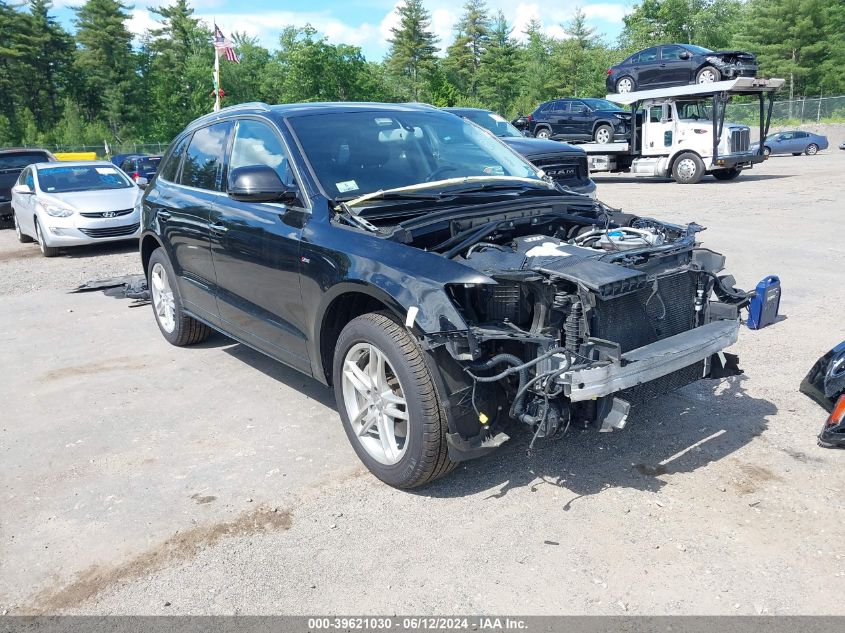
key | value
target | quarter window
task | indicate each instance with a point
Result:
(257, 144)
(170, 169)
(203, 165)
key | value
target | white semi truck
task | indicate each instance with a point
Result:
(681, 132)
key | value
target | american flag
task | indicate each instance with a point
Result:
(221, 44)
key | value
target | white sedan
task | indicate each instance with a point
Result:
(75, 203)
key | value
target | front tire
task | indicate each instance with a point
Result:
(388, 402)
(23, 239)
(726, 174)
(543, 133)
(812, 149)
(47, 251)
(688, 169)
(767, 151)
(708, 75)
(603, 134)
(176, 326)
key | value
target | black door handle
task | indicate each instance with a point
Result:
(218, 228)
(163, 215)
(663, 65)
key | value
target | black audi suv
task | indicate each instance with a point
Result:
(678, 65)
(430, 274)
(565, 163)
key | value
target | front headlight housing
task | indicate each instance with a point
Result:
(56, 210)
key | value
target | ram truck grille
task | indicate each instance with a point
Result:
(563, 170)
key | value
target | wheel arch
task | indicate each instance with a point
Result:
(342, 304)
(148, 244)
(542, 126)
(602, 122)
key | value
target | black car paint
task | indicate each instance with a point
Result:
(8, 177)
(566, 164)
(579, 126)
(667, 69)
(291, 262)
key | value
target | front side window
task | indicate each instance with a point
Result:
(669, 53)
(355, 153)
(203, 164)
(602, 104)
(68, 178)
(256, 144)
(578, 108)
(693, 110)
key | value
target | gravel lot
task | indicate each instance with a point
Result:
(139, 478)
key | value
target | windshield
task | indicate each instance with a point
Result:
(493, 122)
(698, 50)
(19, 161)
(81, 178)
(693, 110)
(601, 104)
(356, 153)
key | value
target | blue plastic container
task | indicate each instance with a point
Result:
(763, 309)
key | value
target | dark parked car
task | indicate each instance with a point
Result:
(12, 163)
(678, 65)
(140, 166)
(580, 120)
(795, 142)
(565, 163)
(427, 272)
(117, 159)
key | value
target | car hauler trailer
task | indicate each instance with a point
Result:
(681, 132)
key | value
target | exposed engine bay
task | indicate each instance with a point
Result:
(590, 313)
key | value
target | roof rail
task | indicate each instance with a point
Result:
(251, 105)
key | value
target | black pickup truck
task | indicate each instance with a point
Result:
(434, 277)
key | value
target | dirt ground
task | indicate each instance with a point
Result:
(138, 478)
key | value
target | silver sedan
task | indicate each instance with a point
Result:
(75, 203)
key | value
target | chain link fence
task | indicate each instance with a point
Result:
(792, 112)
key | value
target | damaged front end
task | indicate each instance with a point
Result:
(588, 315)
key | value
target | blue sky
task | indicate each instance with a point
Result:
(367, 23)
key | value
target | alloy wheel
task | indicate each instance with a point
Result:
(707, 76)
(624, 85)
(603, 135)
(375, 402)
(543, 133)
(812, 149)
(162, 295)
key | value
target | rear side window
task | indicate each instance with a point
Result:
(203, 165)
(560, 106)
(800, 135)
(646, 56)
(171, 166)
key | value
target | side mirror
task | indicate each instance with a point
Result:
(684, 55)
(142, 182)
(22, 189)
(259, 183)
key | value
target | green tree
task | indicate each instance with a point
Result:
(413, 45)
(500, 70)
(710, 23)
(797, 40)
(463, 57)
(106, 63)
(537, 76)
(578, 58)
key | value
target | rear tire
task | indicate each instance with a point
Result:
(726, 174)
(688, 169)
(176, 326)
(47, 251)
(543, 133)
(625, 84)
(388, 402)
(812, 149)
(603, 134)
(23, 239)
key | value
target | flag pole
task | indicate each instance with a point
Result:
(216, 80)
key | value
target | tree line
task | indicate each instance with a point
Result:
(98, 83)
